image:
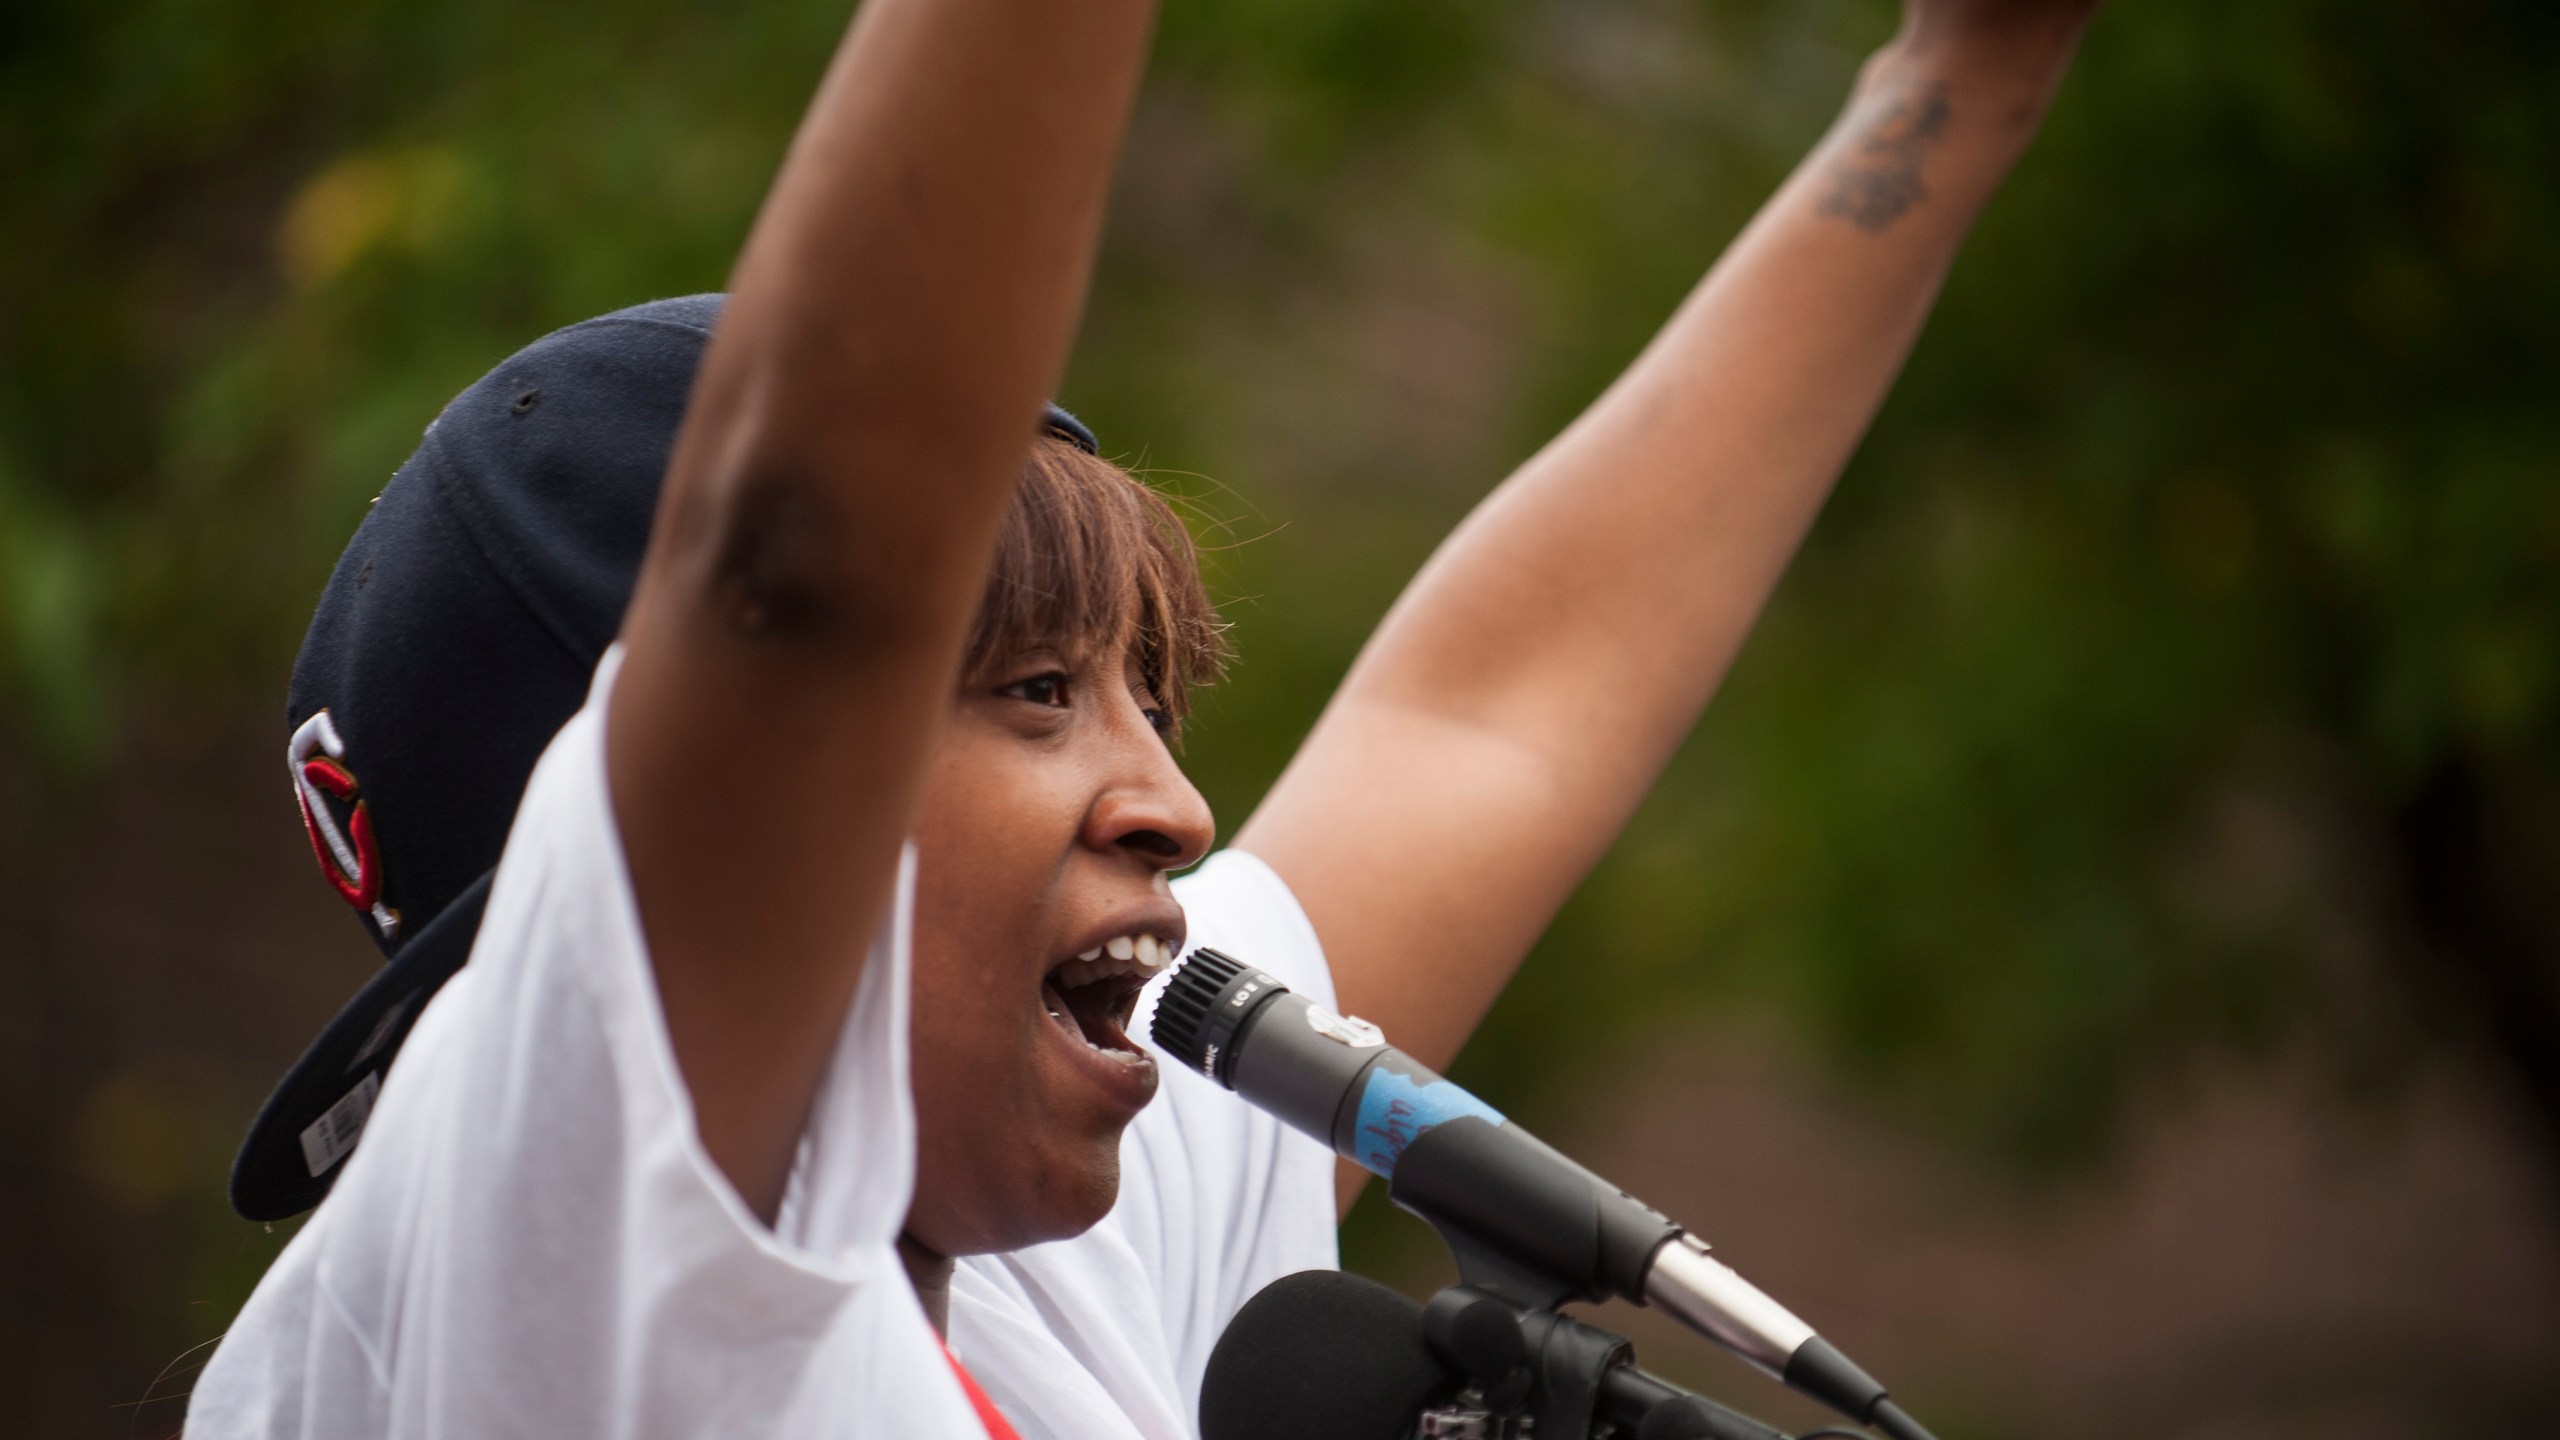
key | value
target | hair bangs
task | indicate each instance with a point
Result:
(1092, 562)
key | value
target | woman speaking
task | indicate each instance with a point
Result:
(774, 704)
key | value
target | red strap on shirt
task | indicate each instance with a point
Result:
(998, 1428)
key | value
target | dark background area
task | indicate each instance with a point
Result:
(2100, 955)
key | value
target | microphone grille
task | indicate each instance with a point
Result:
(1198, 1012)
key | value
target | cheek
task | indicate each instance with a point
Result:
(989, 848)
(996, 824)
(993, 833)
(998, 827)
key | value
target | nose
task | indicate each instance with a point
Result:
(1150, 810)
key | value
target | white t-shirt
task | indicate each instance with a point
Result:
(531, 1240)
(1104, 1337)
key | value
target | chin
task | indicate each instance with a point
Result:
(1061, 1196)
(1076, 1193)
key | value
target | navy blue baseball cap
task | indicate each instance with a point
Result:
(456, 636)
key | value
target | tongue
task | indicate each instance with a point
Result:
(1095, 1011)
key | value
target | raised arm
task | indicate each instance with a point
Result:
(1531, 683)
(902, 307)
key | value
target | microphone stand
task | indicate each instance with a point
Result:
(1535, 1374)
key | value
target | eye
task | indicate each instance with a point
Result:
(1046, 689)
(1159, 719)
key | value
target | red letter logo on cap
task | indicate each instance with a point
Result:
(348, 860)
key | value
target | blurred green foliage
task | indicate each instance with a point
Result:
(2213, 529)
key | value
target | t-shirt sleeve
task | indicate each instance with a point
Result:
(1229, 1198)
(530, 1238)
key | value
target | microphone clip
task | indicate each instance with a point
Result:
(1534, 1374)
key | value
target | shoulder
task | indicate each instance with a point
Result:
(530, 1235)
(1236, 903)
(291, 1363)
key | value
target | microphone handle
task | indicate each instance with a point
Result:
(1521, 1217)
(1488, 1185)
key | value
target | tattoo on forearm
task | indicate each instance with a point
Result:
(1878, 181)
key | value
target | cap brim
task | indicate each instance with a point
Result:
(303, 1134)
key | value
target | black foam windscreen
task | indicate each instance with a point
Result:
(1322, 1355)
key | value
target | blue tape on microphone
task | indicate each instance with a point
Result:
(1394, 1111)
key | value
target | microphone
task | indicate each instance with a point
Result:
(1524, 1221)
(1332, 1354)
(1322, 1352)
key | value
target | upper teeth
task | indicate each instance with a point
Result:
(1119, 955)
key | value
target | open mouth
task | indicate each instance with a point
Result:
(1092, 995)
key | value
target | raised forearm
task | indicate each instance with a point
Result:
(902, 307)
(908, 293)
(1630, 558)
(1529, 686)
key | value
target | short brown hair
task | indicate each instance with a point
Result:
(1092, 559)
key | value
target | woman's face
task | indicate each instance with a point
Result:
(1052, 815)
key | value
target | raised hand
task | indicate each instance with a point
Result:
(1529, 686)
(904, 303)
